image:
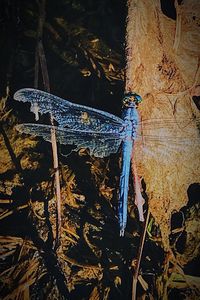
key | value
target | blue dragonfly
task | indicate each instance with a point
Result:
(86, 127)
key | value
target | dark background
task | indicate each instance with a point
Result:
(84, 44)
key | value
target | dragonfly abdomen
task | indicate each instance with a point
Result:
(127, 146)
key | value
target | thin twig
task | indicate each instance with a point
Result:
(43, 64)
(40, 57)
(140, 251)
(36, 69)
(11, 152)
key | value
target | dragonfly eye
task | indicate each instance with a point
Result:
(131, 99)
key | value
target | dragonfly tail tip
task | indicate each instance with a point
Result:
(121, 233)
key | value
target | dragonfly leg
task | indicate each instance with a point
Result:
(139, 200)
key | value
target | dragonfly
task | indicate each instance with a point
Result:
(85, 127)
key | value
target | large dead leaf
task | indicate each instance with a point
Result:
(163, 67)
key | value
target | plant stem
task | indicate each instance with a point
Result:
(140, 251)
(40, 57)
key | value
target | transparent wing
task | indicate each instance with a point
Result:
(100, 144)
(168, 135)
(68, 114)
(169, 123)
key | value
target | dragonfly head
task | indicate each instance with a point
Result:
(131, 99)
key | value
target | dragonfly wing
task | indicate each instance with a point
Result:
(165, 136)
(170, 127)
(68, 114)
(100, 144)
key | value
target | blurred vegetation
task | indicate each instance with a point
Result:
(84, 49)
